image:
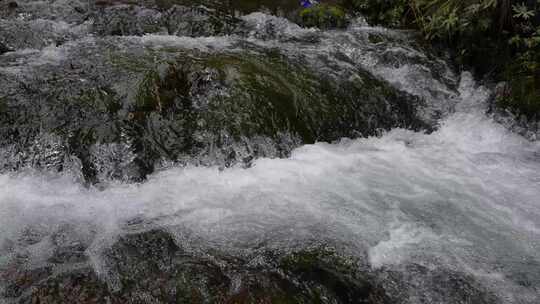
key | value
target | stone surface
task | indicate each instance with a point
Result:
(148, 266)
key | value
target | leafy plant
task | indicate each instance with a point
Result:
(522, 11)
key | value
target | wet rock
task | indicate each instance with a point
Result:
(415, 282)
(178, 20)
(79, 9)
(72, 12)
(37, 34)
(193, 108)
(126, 20)
(192, 104)
(104, 3)
(333, 277)
(76, 286)
(149, 266)
(237, 7)
(3, 49)
(323, 16)
(69, 245)
(198, 21)
(20, 280)
(152, 265)
(115, 107)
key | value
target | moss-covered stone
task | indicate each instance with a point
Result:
(323, 16)
(147, 264)
(329, 275)
(171, 105)
(221, 100)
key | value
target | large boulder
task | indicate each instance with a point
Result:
(191, 107)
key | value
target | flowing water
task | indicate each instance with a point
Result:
(439, 205)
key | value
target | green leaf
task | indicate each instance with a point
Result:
(522, 11)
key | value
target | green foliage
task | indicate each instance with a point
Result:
(496, 37)
(382, 12)
(323, 16)
(448, 19)
(523, 76)
(522, 11)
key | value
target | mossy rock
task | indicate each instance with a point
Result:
(150, 267)
(148, 264)
(227, 100)
(326, 274)
(176, 106)
(324, 16)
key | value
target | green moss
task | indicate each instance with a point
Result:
(191, 100)
(158, 93)
(136, 64)
(374, 38)
(270, 93)
(323, 16)
(103, 99)
(330, 275)
(148, 98)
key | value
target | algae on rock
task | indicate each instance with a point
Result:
(324, 16)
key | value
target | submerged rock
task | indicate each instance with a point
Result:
(148, 266)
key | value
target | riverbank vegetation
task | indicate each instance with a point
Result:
(497, 39)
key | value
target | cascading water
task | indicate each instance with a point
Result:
(436, 204)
